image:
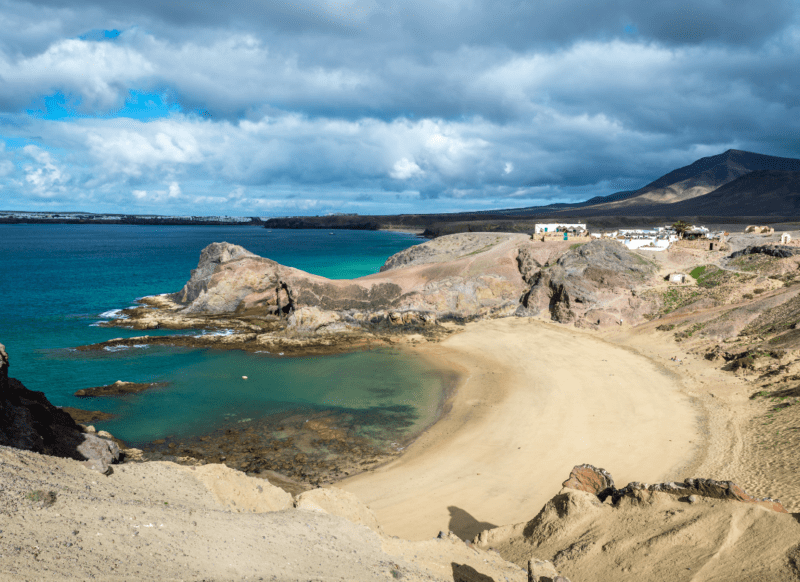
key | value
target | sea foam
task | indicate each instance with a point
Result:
(114, 314)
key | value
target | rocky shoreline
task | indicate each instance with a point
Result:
(304, 449)
(237, 300)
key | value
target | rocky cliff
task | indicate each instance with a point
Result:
(593, 284)
(28, 421)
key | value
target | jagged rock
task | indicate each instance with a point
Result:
(589, 478)
(28, 421)
(210, 258)
(599, 482)
(118, 388)
(584, 279)
(779, 251)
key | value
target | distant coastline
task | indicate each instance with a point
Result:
(21, 217)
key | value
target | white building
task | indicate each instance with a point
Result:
(540, 228)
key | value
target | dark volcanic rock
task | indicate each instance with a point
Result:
(780, 251)
(28, 421)
(118, 388)
(86, 416)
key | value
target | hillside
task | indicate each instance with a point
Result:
(679, 194)
(706, 175)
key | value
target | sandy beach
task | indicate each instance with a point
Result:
(535, 400)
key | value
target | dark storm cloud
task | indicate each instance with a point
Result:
(308, 105)
(447, 24)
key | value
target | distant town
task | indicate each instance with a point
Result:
(16, 217)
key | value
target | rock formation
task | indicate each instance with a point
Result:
(28, 421)
(594, 283)
(668, 531)
(118, 388)
(261, 304)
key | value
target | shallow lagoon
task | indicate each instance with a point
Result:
(59, 279)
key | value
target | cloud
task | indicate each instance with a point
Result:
(331, 104)
(404, 169)
(44, 177)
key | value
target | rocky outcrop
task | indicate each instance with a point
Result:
(445, 249)
(211, 257)
(779, 251)
(652, 532)
(28, 421)
(589, 478)
(249, 302)
(592, 284)
(256, 300)
(599, 482)
(707, 488)
(118, 388)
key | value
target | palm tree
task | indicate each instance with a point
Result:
(681, 227)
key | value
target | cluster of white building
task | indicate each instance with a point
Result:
(650, 239)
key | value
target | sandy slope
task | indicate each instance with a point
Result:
(537, 399)
(161, 521)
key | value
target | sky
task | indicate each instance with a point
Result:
(307, 107)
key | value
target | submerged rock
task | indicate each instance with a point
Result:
(118, 388)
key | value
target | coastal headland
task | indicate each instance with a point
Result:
(568, 353)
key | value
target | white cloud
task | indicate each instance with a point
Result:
(404, 169)
(45, 178)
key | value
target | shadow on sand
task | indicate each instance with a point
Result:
(464, 525)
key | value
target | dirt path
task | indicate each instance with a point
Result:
(537, 399)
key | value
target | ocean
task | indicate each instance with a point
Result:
(59, 281)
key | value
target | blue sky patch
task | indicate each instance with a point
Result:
(100, 35)
(139, 105)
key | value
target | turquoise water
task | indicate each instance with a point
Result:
(57, 280)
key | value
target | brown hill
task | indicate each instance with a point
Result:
(699, 178)
(759, 193)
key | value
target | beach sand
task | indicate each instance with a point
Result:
(535, 400)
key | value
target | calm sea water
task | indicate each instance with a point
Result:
(58, 280)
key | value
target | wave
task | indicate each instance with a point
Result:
(116, 348)
(120, 348)
(217, 333)
(114, 314)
